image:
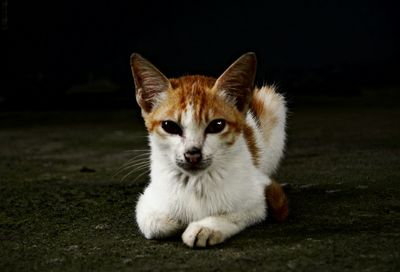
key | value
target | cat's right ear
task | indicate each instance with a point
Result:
(150, 83)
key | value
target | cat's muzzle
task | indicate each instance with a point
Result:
(192, 168)
(194, 161)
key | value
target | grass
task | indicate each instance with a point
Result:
(61, 208)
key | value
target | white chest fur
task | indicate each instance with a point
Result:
(221, 189)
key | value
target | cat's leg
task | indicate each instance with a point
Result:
(153, 223)
(213, 230)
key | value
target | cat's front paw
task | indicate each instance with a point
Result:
(159, 227)
(153, 223)
(197, 235)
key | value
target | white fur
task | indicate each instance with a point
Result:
(216, 203)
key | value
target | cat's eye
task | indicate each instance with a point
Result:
(171, 127)
(216, 126)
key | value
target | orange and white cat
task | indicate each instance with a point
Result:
(214, 144)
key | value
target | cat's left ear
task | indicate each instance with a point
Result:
(237, 82)
(150, 83)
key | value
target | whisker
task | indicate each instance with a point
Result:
(136, 166)
(131, 172)
(139, 162)
(139, 157)
(137, 150)
(132, 162)
(138, 176)
(141, 169)
(124, 177)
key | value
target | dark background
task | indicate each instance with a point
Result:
(74, 151)
(75, 54)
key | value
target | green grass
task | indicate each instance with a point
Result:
(341, 166)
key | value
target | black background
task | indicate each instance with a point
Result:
(75, 54)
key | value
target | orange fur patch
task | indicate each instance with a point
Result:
(277, 202)
(265, 116)
(198, 92)
(248, 134)
(257, 106)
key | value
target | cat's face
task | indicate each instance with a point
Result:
(194, 120)
(193, 125)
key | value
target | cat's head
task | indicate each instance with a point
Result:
(194, 121)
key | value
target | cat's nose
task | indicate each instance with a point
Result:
(193, 156)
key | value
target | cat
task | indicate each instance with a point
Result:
(214, 145)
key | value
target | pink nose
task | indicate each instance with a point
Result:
(193, 156)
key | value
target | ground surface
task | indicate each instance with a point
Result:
(61, 208)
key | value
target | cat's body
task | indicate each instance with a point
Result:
(214, 144)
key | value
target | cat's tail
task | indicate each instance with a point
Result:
(278, 207)
(269, 108)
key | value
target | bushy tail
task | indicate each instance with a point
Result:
(277, 202)
(269, 108)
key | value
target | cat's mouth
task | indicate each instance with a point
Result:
(194, 168)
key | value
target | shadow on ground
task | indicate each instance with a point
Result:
(62, 208)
